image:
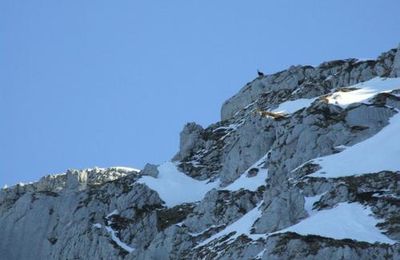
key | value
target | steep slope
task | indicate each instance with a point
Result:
(302, 165)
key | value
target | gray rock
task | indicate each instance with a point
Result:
(284, 206)
(288, 245)
(221, 208)
(396, 64)
(310, 81)
(105, 214)
(76, 180)
(150, 170)
(251, 141)
(189, 138)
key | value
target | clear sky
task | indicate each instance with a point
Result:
(111, 83)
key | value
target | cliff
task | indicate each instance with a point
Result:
(303, 165)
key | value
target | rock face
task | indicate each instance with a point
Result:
(308, 81)
(264, 164)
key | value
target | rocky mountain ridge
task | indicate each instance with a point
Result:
(302, 165)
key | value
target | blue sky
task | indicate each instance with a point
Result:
(111, 83)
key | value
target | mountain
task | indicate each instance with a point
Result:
(304, 164)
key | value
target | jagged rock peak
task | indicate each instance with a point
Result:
(308, 81)
(75, 179)
(304, 165)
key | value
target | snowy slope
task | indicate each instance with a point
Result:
(378, 153)
(321, 111)
(346, 220)
(292, 106)
(250, 183)
(309, 203)
(241, 227)
(365, 91)
(174, 187)
(358, 93)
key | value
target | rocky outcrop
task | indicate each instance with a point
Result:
(308, 81)
(261, 166)
(396, 64)
(284, 206)
(315, 247)
(190, 138)
(150, 170)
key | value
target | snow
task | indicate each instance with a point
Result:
(195, 163)
(174, 187)
(97, 225)
(260, 255)
(229, 127)
(292, 106)
(115, 212)
(309, 202)
(250, 183)
(346, 220)
(249, 105)
(123, 168)
(204, 231)
(364, 59)
(386, 195)
(179, 224)
(378, 153)
(341, 147)
(114, 233)
(240, 227)
(117, 168)
(366, 90)
(118, 241)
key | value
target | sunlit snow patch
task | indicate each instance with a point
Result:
(127, 169)
(292, 106)
(378, 153)
(346, 220)
(116, 168)
(250, 183)
(174, 187)
(365, 91)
